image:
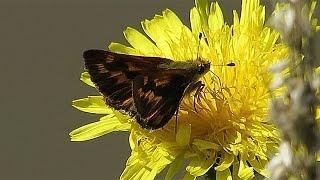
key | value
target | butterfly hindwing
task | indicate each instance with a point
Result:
(158, 95)
(113, 74)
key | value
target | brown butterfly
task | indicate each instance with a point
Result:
(148, 88)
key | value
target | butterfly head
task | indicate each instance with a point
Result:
(203, 68)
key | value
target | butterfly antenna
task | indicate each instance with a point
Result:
(198, 50)
(176, 123)
(231, 64)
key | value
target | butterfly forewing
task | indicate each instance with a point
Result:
(113, 74)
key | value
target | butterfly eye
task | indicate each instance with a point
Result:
(201, 69)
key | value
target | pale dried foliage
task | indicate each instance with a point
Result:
(294, 94)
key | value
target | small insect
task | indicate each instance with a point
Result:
(147, 88)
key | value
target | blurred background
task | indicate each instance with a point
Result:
(41, 45)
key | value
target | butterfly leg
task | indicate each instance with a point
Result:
(198, 92)
(176, 124)
(199, 87)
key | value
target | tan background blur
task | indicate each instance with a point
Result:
(41, 45)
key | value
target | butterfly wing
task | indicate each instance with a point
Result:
(113, 74)
(158, 95)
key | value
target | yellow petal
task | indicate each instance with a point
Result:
(215, 20)
(144, 169)
(200, 164)
(235, 170)
(204, 145)
(106, 125)
(133, 172)
(164, 30)
(259, 166)
(122, 49)
(252, 14)
(134, 158)
(189, 44)
(188, 176)
(313, 6)
(85, 77)
(236, 23)
(175, 166)
(238, 138)
(203, 8)
(150, 27)
(155, 29)
(318, 157)
(172, 20)
(245, 172)
(223, 175)
(183, 134)
(92, 104)
(195, 21)
(139, 42)
(133, 140)
(226, 161)
(124, 118)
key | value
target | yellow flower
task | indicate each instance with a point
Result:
(229, 132)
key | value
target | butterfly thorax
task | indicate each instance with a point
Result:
(195, 69)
